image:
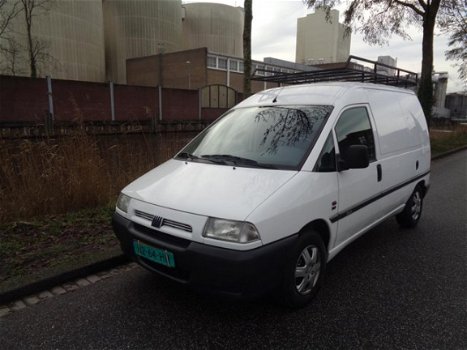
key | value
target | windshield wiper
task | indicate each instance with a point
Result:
(186, 155)
(223, 158)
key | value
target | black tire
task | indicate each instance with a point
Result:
(412, 212)
(298, 291)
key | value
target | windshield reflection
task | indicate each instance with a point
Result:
(271, 137)
(291, 127)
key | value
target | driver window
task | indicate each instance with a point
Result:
(327, 159)
(354, 128)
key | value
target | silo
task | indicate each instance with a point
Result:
(215, 26)
(70, 35)
(139, 28)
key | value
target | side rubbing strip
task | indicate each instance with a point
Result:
(353, 209)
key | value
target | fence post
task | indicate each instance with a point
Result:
(160, 102)
(199, 103)
(112, 100)
(49, 123)
(228, 72)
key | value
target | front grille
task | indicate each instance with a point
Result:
(165, 222)
(142, 214)
(177, 225)
(163, 237)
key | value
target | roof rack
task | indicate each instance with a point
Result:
(352, 70)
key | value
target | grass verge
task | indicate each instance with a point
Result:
(43, 247)
(447, 139)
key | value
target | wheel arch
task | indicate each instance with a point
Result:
(421, 184)
(321, 227)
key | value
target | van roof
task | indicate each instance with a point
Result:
(314, 93)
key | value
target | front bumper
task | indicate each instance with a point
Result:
(209, 268)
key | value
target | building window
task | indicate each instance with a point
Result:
(212, 62)
(260, 72)
(221, 63)
(240, 66)
(233, 65)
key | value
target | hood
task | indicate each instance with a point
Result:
(208, 189)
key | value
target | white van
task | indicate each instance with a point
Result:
(263, 198)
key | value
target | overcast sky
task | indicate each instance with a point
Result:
(275, 28)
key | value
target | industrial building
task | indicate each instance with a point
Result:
(321, 40)
(216, 26)
(70, 40)
(139, 28)
(195, 69)
(169, 44)
(91, 40)
(440, 84)
(457, 103)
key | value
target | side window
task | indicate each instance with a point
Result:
(327, 159)
(354, 128)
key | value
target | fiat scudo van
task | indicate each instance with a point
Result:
(268, 194)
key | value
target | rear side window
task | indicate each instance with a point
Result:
(354, 128)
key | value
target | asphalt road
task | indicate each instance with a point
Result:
(390, 289)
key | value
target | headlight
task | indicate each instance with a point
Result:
(123, 202)
(233, 231)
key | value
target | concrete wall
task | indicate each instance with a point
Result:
(320, 40)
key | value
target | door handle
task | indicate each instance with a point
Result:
(380, 172)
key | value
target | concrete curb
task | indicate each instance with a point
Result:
(448, 153)
(47, 283)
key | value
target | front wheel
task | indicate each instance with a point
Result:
(412, 212)
(305, 270)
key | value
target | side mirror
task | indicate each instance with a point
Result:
(355, 157)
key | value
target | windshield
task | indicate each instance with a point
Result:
(272, 137)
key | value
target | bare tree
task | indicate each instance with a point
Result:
(455, 23)
(11, 53)
(37, 49)
(9, 9)
(247, 47)
(379, 19)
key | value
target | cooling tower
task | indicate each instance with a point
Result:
(215, 26)
(139, 28)
(69, 35)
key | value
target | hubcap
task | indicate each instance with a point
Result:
(416, 206)
(307, 269)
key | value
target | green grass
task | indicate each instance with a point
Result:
(447, 140)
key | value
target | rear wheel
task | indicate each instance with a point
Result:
(305, 270)
(412, 212)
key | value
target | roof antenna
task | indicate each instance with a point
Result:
(275, 100)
